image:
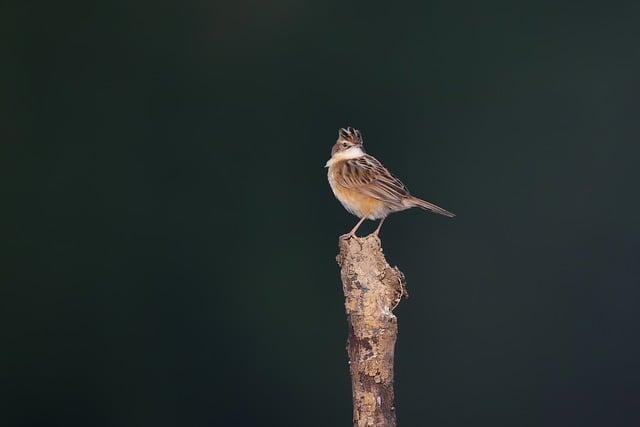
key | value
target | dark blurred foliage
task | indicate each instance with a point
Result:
(169, 236)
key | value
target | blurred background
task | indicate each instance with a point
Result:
(169, 236)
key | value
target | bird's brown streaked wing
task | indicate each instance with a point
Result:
(366, 174)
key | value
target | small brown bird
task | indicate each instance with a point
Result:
(364, 186)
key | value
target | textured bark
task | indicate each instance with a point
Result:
(372, 289)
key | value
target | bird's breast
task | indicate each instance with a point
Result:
(355, 201)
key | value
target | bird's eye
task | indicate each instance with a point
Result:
(344, 145)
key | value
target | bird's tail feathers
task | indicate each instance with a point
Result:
(423, 204)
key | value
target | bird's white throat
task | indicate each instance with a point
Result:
(351, 153)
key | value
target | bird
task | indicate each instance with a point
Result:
(365, 187)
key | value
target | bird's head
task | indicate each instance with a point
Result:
(347, 138)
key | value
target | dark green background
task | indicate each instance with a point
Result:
(170, 236)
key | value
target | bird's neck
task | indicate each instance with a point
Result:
(351, 153)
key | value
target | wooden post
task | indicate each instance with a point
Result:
(372, 289)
